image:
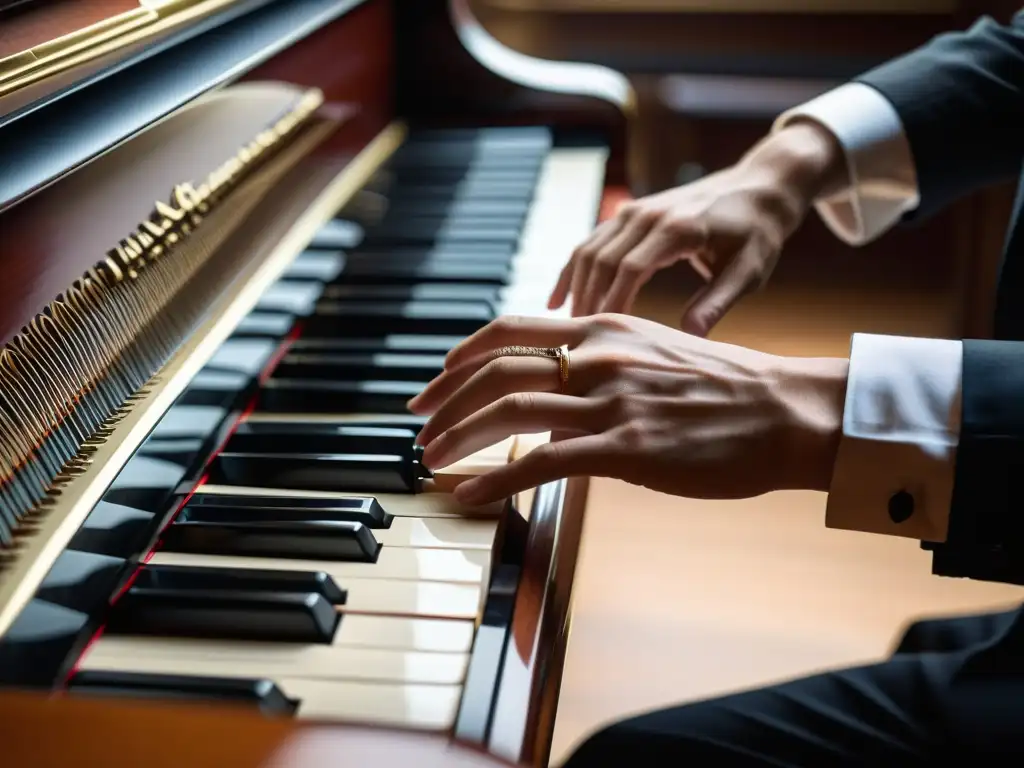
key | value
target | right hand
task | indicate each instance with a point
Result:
(730, 226)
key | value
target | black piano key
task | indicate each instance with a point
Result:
(185, 577)
(339, 318)
(265, 325)
(463, 175)
(337, 235)
(420, 256)
(82, 581)
(40, 643)
(318, 471)
(415, 232)
(189, 421)
(535, 137)
(321, 437)
(357, 509)
(476, 154)
(114, 529)
(410, 273)
(356, 367)
(263, 695)
(287, 537)
(406, 207)
(397, 343)
(285, 617)
(443, 292)
(464, 189)
(145, 482)
(320, 396)
(224, 389)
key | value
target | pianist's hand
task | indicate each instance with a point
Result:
(645, 403)
(730, 226)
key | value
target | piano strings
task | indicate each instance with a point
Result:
(76, 369)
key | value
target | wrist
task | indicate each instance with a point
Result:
(812, 393)
(799, 163)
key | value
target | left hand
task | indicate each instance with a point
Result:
(645, 403)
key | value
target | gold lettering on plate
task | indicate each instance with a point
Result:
(171, 222)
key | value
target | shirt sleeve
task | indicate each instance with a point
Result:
(901, 425)
(882, 178)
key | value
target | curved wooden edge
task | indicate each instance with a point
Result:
(497, 85)
(545, 75)
(115, 734)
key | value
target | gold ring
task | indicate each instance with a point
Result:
(561, 354)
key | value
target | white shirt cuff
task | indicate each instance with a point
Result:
(882, 178)
(901, 425)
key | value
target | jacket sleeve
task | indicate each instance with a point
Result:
(985, 538)
(960, 99)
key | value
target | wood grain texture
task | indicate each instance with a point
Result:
(113, 734)
(21, 30)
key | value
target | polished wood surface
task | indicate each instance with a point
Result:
(39, 261)
(353, 61)
(26, 28)
(108, 734)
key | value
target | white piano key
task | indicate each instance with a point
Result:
(446, 533)
(423, 707)
(424, 505)
(458, 566)
(427, 599)
(174, 656)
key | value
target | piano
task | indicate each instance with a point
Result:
(236, 237)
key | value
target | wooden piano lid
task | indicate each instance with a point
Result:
(56, 732)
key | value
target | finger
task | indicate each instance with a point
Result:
(606, 264)
(561, 290)
(577, 456)
(700, 267)
(654, 253)
(686, 323)
(518, 414)
(511, 330)
(737, 279)
(451, 401)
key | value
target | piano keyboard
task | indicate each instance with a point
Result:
(312, 568)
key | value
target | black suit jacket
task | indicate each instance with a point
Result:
(961, 100)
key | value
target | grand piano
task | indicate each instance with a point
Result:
(236, 237)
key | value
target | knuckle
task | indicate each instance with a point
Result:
(633, 436)
(585, 253)
(606, 262)
(552, 452)
(520, 402)
(679, 225)
(609, 321)
(631, 268)
(630, 210)
(509, 322)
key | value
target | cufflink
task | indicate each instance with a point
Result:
(901, 507)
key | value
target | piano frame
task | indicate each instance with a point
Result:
(389, 64)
